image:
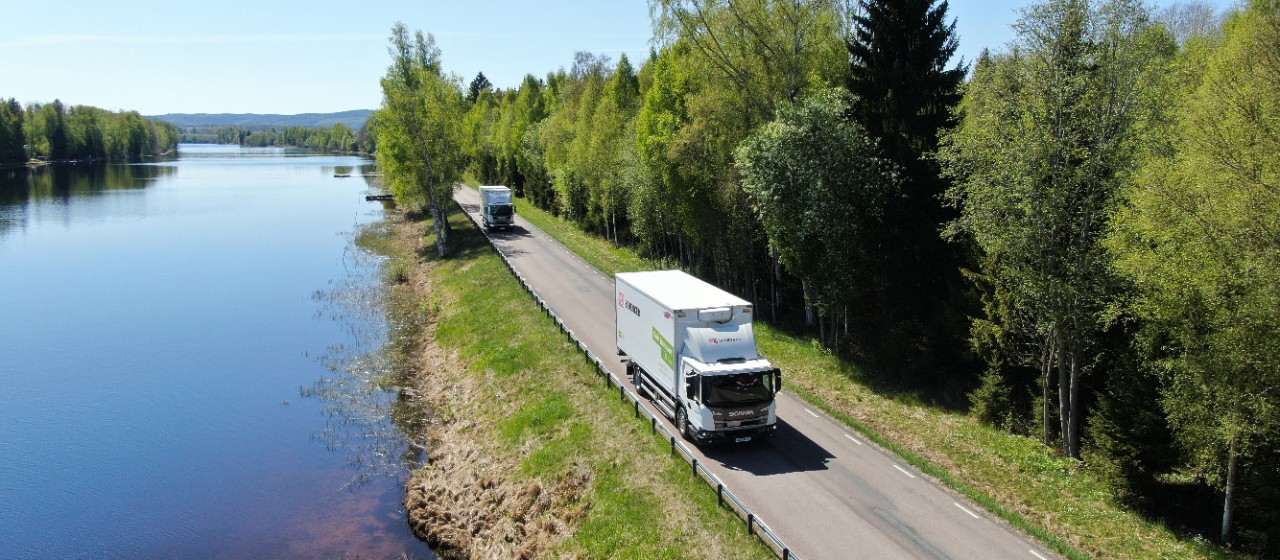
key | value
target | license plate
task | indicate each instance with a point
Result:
(742, 439)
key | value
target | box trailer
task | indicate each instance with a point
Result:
(691, 348)
(497, 210)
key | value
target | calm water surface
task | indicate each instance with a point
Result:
(183, 354)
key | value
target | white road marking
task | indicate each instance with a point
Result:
(904, 471)
(1037, 555)
(853, 439)
(811, 413)
(966, 510)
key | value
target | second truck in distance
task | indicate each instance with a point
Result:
(692, 348)
(497, 210)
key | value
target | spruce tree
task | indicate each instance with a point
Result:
(13, 137)
(478, 84)
(899, 53)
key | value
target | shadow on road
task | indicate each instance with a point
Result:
(791, 451)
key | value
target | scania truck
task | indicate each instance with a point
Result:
(497, 211)
(691, 348)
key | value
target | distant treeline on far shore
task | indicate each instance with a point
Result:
(337, 138)
(57, 132)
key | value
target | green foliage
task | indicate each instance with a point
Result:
(1200, 239)
(81, 133)
(1047, 135)
(478, 85)
(904, 94)
(420, 141)
(13, 137)
(814, 177)
(338, 138)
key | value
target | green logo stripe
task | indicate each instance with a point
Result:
(668, 352)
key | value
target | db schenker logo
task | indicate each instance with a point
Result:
(622, 302)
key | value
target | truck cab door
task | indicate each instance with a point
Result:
(692, 381)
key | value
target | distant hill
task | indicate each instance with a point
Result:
(354, 119)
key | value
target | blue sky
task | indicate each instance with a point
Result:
(273, 56)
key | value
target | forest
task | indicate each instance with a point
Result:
(338, 138)
(56, 132)
(1075, 237)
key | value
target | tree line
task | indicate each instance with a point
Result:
(338, 138)
(56, 132)
(1077, 237)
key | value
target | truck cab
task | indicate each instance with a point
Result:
(728, 390)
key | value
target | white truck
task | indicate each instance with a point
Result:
(690, 347)
(497, 210)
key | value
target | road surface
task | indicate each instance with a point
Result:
(822, 489)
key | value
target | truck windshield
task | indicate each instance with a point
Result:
(501, 210)
(742, 389)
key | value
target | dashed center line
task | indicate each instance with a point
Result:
(811, 413)
(853, 439)
(904, 471)
(966, 510)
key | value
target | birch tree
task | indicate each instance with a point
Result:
(1200, 238)
(1047, 134)
(420, 140)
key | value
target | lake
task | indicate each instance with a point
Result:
(184, 355)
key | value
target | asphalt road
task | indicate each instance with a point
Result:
(822, 489)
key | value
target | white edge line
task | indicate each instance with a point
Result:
(966, 510)
(904, 471)
(1037, 555)
(853, 439)
(811, 413)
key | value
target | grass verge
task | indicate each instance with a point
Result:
(1058, 501)
(531, 456)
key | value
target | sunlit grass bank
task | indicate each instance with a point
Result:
(531, 456)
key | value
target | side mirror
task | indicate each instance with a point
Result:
(777, 380)
(690, 390)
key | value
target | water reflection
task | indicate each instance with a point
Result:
(157, 327)
(22, 188)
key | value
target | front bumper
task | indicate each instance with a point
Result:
(734, 436)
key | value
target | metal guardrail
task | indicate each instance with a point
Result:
(724, 496)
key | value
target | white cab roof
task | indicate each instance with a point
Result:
(680, 290)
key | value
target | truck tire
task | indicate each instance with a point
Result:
(682, 423)
(637, 379)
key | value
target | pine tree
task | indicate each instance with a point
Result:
(899, 52)
(12, 136)
(479, 84)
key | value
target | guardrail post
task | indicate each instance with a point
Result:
(751, 519)
(694, 463)
(637, 406)
(786, 553)
(622, 392)
(720, 494)
(673, 445)
(653, 425)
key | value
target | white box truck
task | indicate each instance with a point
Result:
(690, 347)
(497, 210)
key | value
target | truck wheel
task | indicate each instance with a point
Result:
(640, 387)
(682, 422)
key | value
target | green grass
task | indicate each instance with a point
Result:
(544, 409)
(1059, 501)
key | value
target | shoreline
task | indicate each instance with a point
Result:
(464, 500)
(527, 455)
